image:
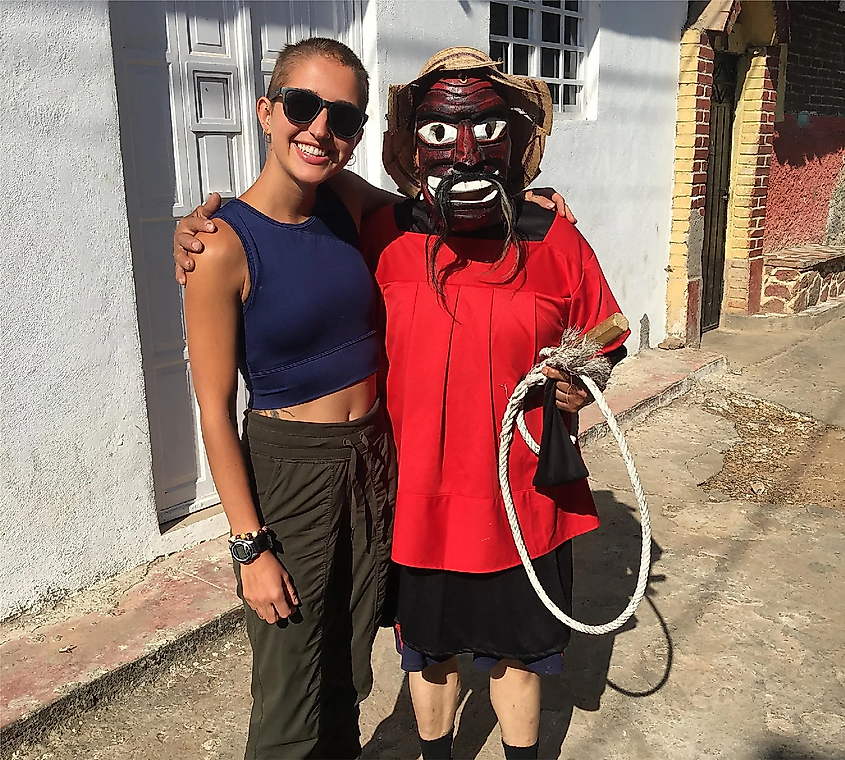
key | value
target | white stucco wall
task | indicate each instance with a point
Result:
(615, 167)
(76, 502)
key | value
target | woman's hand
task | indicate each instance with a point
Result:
(268, 588)
(570, 395)
(551, 199)
(185, 243)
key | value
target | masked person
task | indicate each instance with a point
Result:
(474, 283)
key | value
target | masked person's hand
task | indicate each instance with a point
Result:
(570, 394)
(551, 199)
(185, 243)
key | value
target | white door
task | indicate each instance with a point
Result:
(187, 75)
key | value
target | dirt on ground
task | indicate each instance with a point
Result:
(783, 457)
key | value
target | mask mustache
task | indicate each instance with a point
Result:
(443, 217)
(465, 182)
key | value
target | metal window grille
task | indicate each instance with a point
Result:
(543, 39)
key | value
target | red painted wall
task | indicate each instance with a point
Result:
(805, 167)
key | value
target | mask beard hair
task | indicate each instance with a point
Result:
(443, 220)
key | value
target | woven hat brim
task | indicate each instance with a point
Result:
(528, 99)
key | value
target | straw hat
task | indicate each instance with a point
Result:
(528, 99)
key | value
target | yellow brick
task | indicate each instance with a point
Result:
(687, 99)
(686, 128)
(680, 218)
(746, 158)
(687, 77)
(676, 293)
(678, 237)
(684, 155)
(687, 90)
(686, 140)
(688, 114)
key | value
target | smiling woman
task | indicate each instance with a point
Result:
(282, 293)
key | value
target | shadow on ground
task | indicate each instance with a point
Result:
(791, 750)
(606, 568)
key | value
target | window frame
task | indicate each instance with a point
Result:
(535, 44)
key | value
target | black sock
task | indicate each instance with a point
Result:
(437, 749)
(521, 753)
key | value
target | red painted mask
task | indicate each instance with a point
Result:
(462, 143)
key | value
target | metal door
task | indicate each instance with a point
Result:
(187, 76)
(722, 106)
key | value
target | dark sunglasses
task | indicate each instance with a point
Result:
(303, 106)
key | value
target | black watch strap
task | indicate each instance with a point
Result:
(246, 550)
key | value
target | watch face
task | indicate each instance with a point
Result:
(241, 551)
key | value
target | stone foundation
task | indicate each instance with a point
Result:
(797, 278)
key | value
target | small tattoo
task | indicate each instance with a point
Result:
(276, 414)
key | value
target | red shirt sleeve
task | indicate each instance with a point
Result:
(592, 300)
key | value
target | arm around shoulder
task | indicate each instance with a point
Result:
(359, 196)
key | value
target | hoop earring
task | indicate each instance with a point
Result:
(351, 161)
(267, 137)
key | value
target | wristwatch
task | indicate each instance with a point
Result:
(246, 547)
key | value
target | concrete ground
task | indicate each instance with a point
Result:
(737, 652)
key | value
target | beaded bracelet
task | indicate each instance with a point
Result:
(250, 536)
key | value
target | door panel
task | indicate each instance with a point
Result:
(187, 78)
(722, 106)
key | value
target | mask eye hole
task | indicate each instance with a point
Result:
(489, 130)
(438, 133)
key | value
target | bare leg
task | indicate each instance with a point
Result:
(435, 692)
(515, 696)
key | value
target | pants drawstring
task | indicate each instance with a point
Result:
(359, 472)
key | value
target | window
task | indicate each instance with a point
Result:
(542, 39)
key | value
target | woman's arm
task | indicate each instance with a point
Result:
(213, 300)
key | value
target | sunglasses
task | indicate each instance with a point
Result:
(303, 106)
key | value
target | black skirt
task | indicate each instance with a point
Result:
(497, 615)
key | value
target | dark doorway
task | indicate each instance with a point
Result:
(722, 106)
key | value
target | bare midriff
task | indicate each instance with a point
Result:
(344, 405)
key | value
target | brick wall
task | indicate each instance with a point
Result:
(690, 170)
(815, 79)
(754, 131)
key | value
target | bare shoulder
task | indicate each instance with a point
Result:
(223, 251)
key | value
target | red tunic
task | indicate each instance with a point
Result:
(449, 380)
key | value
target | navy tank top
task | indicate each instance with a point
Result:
(308, 326)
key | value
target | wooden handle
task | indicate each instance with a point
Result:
(609, 330)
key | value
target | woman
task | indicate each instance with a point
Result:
(282, 293)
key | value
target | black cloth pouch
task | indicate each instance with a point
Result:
(559, 460)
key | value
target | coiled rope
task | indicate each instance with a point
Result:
(578, 357)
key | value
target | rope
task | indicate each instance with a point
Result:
(514, 414)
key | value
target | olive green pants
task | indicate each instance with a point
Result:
(327, 493)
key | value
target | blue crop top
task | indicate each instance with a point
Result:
(308, 326)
